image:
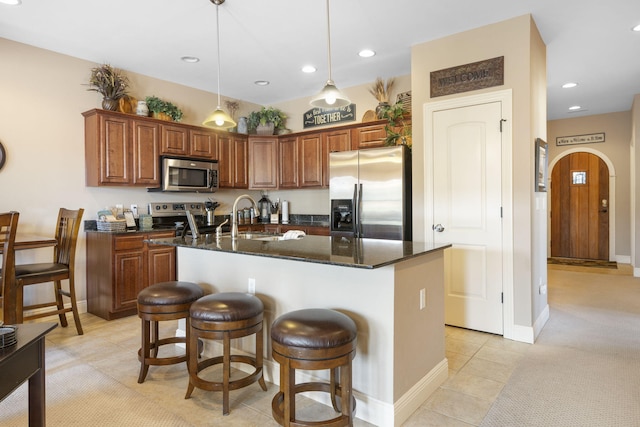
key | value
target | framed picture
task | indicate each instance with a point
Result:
(541, 166)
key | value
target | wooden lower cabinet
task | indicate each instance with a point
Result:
(119, 266)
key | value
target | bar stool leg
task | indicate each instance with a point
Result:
(192, 360)
(144, 351)
(260, 357)
(226, 373)
(333, 377)
(345, 391)
(155, 338)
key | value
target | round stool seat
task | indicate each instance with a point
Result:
(161, 302)
(223, 317)
(170, 293)
(314, 328)
(226, 307)
(314, 339)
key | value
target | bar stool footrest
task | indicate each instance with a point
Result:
(277, 406)
(161, 361)
(256, 375)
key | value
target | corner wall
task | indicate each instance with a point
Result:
(518, 41)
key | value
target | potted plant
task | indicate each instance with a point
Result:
(111, 83)
(398, 129)
(381, 92)
(258, 121)
(163, 110)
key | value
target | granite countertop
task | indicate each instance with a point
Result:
(332, 250)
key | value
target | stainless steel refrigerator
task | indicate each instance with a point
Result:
(370, 193)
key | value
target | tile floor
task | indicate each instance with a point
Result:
(479, 366)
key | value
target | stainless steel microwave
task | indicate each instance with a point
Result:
(189, 175)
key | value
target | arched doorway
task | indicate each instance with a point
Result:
(580, 205)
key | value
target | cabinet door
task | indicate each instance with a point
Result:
(115, 150)
(241, 176)
(203, 144)
(288, 162)
(162, 264)
(146, 146)
(226, 162)
(175, 140)
(263, 162)
(311, 160)
(129, 278)
(368, 136)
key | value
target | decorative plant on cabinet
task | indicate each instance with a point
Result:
(111, 83)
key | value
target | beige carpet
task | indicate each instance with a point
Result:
(584, 369)
(97, 400)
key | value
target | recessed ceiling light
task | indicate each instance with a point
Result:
(569, 85)
(261, 82)
(636, 28)
(366, 53)
(308, 69)
(190, 59)
(574, 108)
(11, 2)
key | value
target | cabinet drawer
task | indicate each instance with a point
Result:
(129, 242)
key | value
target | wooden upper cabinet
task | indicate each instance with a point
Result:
(339, 140)
(232, 161)
(146, 151)
(369, 136)
(174, 140)
(288, 162)
(120, 150)
(263, 164)
(311, 153)
(203, 143)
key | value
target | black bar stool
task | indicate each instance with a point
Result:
(159, 302)
(314, 339)
(225, 316)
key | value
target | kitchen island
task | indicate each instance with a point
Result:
(392, 289)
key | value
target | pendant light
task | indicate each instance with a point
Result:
(330, 96)
(219, 119)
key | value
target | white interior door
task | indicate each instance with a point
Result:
(467, 206)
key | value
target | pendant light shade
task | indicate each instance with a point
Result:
(219, 118)
(330, 96)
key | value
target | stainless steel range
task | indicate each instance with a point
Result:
(174, 214)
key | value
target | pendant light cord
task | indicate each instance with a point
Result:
(329, 41)
(218, 42)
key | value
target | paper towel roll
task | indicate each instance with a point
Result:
(285, 212)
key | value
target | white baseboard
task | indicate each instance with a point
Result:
(623, 259)
(528, 334)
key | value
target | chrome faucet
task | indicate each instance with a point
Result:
(234, 220)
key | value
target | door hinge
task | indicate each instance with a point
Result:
(502, 120)
(500, 211)
(501, 297)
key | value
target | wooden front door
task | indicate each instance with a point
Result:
(580, 207)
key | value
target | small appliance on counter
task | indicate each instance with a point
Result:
(210, 207)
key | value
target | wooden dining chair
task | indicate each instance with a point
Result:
(62, 268)
(8, 227)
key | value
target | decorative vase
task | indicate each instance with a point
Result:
(266, 129)
(110, 104)
(142, 109)
(242, 125)
(381, 108)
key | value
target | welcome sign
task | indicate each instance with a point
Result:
(474, 76)
(329, 116)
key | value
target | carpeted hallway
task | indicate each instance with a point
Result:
(584, 370)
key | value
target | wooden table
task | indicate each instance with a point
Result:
(23, 241)
(25, 361)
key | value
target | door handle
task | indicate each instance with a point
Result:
(438, 227)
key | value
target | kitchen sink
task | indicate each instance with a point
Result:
(266, 237)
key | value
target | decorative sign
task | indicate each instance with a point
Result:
(464, 78)
(580, 139)
(328, 116)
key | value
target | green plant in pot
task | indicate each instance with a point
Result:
(111, 83)
(258, 121)
(398, 129)
(163, 110)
